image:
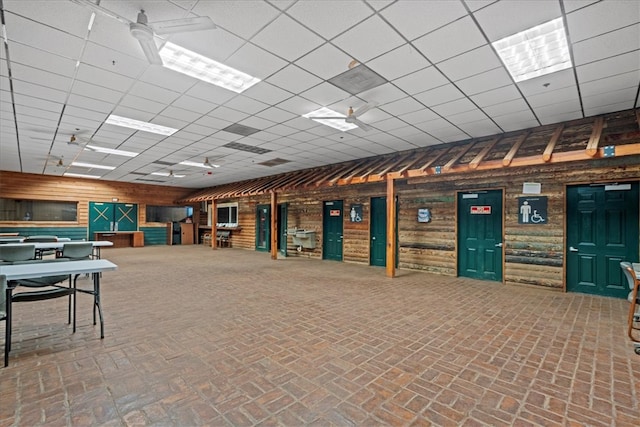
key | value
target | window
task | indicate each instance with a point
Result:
(37, 210)
(227, 215)
(168, 213)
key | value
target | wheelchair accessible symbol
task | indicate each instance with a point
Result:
(532, 210)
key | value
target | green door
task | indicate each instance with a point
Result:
(125, 217)
(282, 228)
(480, 235)
(263, 228)
(332, 230)
(602, 231)
(100, 217)
(378, 232)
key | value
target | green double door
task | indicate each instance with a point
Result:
(107, 216)
(480, 235)
(602, 231)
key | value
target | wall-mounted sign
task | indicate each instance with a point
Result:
(355, 214)
(480, 210)
(424, 215)
(334, 212)
(532, 210)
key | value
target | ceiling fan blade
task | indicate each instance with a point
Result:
(171, 26)
(365, 127)
(327, 118)
(366, 107)
(150, 51)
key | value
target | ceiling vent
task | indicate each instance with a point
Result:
(274, 162)
(239, 129)
(245, 147)
(358, 79)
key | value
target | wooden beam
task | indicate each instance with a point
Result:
(551, 145)
(435, 159)
(418, 159)
(393, 164)
(473, 164)
(337, 171)
(372, 168)
(391, 229)
(274, 225)
(458, 156)
(512, 153)
(214, 221)
(594, 141)
(356, 171)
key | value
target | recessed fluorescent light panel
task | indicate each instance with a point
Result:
(92, 166)
(334, 123)
(199, 165)
(138, 125)
(535, 52)
(195, 65)
(105, 150)
(81, 175)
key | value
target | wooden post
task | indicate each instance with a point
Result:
(214, 221)
(274, 225)
(391, 229)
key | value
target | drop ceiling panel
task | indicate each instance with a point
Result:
(399, 62)
(286, 38)
(294, 79)
(368, 39)
(498, 77)
(244, 18)
(468, 64)
(413, 19)
(599, 18)
(451, 40)
(255, 61)
(325, 62)
(34, 75)
(611, 44)
(104, 78)
(629, 62)
(23, 31)
(522, 14)
(323, 19)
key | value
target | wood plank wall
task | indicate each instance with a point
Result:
(15, 185)
(533, 254)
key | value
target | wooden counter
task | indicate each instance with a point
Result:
(121, 239)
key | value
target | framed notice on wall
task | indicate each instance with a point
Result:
(532, 210)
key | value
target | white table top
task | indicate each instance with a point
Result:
(43, 269)
(60, 245)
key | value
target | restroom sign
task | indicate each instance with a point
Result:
(480, 210)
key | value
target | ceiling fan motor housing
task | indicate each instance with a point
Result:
(141, 31)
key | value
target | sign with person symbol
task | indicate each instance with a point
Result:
(355, 214)
(532, 210)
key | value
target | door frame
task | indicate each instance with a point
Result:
(457, 231)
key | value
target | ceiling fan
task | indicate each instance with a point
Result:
(144, 31)
(353, 116)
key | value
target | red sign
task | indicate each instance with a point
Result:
(334, 212)
(480, 210)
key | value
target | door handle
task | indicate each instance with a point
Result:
(572, 249)
(498, 245)
(373, 238)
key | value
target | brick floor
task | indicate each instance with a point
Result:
(231, 338)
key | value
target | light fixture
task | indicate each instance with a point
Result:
(139, 125)
(110, 151)
(334, 123)
(170, 174)
(81, 175)
(92, 166)
(206, 164)
(200, 67)
(535, 52)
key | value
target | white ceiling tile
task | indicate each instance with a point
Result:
(608, 67)
(111, 60)
(325, 62)
(245, 18)
(255, 61)
(420, 81)
(42, 104)
(368, 39)
(559, 116)
(505, 18)
(454, 107)
(287, 39)
(474, 5)
(569, 93)
(480, 128)
(458, 37)
(108, 79)
(321, 17)
(627, 81)
(228, 114)
(267, 93)
(212, 94)
(402, 106)
(599, 18)
(506, 107)
(142, 104)
(516, 121)
(419, 116)
(96, 92)
(246, 105)
(216, 44)
(195, 105)
(440, 95)
(37, 91)
(324, 94)
(475, 62)
(399, 62)
(37, 58)
(602, 109)
(276, 115)
(413, 19)
(294, 79)
(550, 113)
(298, 105)
(26, 32)
(382, 94)
(496, 96)
(622, 97)
(33, 75)
(571, 5)
(548, 83)
(492, 79)
(153, 92)
(607, 45)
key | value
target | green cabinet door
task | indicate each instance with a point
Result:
(602, 231)
(263, 228)
(480, 235)
(378, 232)
(332, 227)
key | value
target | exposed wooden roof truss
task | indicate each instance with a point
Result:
(612, 135)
